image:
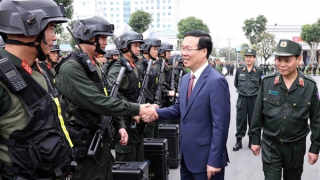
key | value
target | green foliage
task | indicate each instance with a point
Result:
(140, 21)
(266, 46)
(69, 8)
(189, 24)
(72, 42)
(253, 29)
(311, 35)
(224, 52)
(243, 47)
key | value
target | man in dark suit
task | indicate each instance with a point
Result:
(203, 106)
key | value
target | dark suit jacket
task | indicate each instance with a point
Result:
(205, 120)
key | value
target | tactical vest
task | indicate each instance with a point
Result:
(83, 129)
(42, 149)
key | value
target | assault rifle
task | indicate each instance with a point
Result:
(105, 121)
(172, 83)
(158, 92)
(143, 91)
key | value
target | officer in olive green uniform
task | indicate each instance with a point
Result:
(149, 51)
(84, 95)
(129, 46)
(34, 142)
(286, 100)
(247, 81)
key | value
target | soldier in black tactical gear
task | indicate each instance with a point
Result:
(34, 141)
(51, 61)
(80, 81)
(129, 46)
(149, 50)
(164, 55)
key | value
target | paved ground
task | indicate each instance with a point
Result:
(243, 164)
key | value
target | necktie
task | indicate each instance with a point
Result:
(190, 85)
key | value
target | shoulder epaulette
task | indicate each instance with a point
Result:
(309, 78)
(240, 67)
(270, 75)
(258, 68)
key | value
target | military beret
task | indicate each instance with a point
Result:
(287, 48)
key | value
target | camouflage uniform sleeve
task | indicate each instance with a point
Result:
(315, 122)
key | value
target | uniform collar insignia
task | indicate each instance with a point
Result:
(283, 44)
(276, 80)
(301, 82)
(243, 69)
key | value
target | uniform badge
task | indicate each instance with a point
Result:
(249, 50)
(276, 80)
(26, 67)
(243, 69)
(283, 44)
(40, 70)
(242, 75)
(273, 92)
(301, 82)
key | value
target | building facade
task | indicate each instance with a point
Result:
(165, 13)
(292, 32)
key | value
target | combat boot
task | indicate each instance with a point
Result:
(250, 142)
(238, 145)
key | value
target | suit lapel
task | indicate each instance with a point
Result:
(200, 82)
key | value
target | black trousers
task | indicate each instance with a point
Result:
(278, 158)
(245, 106)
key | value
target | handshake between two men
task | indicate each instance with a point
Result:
(147, 113)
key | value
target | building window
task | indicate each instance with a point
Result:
(152, 1)
(163, 7)
(104, 2)
(164, 1)
(169, 25)
(164, 26)
(158, 7)
(152, 7)
(111, 15)
(164, 13)
(141, 2)
(117, 3)
(142, 8)
(147, 8)
(169, 7)
(126, 20)
(126, 3)
(117, 27)
(136, 2)
(117, 9)
(158, 25)
(169, 13)
(169, 1)
(152, 26)
(111, 3)
(83, 3)
(147, 1)
(111, 9)
(117, 21)
(136, 8)
(117, 15)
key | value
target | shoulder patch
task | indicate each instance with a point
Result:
(309, 78)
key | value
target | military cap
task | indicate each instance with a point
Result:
(250, 52)
(287, 48)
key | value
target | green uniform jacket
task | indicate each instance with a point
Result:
(247, 83)
(76, 87)
(283, 114)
